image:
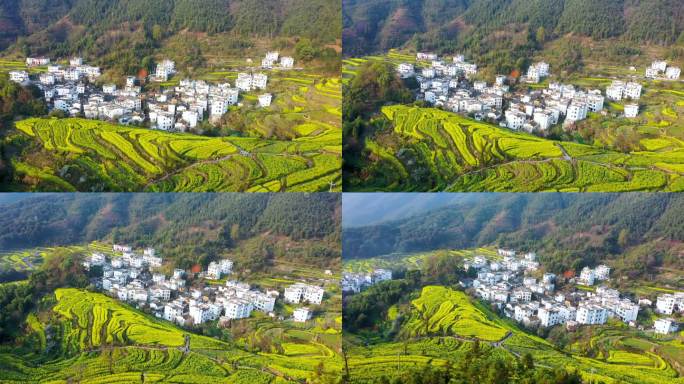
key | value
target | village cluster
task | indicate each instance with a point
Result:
(73, 90)
(131, 277)
(451, 85)
(661, 71)
(509, 284)
(356, 282)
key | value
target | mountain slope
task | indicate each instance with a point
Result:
(190, 228)
(636, 231)
(62, 22)
(92, 338)
(439, 23)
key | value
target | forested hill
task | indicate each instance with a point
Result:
(377, 25)
(197, 225)
(569, 229)
(78, 26)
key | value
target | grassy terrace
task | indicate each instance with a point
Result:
(26, 260)
(465, 155)
(442, 324)
(106, 341)
(132, 159)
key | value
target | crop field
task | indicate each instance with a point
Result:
(431, 334)
(26, 260)
(100, 156)
(413, 260)
(442, 311)
(104, 341)
(460, 154)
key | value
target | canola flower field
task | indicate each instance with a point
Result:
(104, 341)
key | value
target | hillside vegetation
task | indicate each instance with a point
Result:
(468, 341)
(190, 228)
(638, 234)
(95, 339)
(92, 155)
(376, 26)
(438, 150)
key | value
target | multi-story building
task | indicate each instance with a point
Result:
(591, 314)
(238, 308)
(302, 314)
(665, 326)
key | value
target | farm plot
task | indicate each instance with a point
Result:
(133, 159)
(104, 341)
(440, 310)
(459, 154)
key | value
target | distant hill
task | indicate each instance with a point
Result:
(126, 33)
(640, 232)
(374, 25)
(362, 209)
(188, 227)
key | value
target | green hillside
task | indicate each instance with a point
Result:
(96, 155)
(376, 26)
(441, 311)
(443, 151)
(95, 339)
(624, 355)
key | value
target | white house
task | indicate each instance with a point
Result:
(591, 314)
(602, 272)
(165, 121)
(548, 317)
(165, 69)
(244, 82)
(265, 100)
(19, 76)
(286, 62)
(626, 310)
(666, 304)
(405, 70)
(672, 73)
(631, 110)
(238, 309)
(380, 274)
(587, 276)
(665, 326)
(214, 271)
(218, 107)
(259, 80)
(632, 90)
(301, 315)
(121, 248)
(515, 119)
(33, 61)
(615, 90)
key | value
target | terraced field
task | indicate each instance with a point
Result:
(458, 154)
(102, 156)
(412, 260)
(443, 322)
(26, 260)
(442, 311)
(104, 341)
